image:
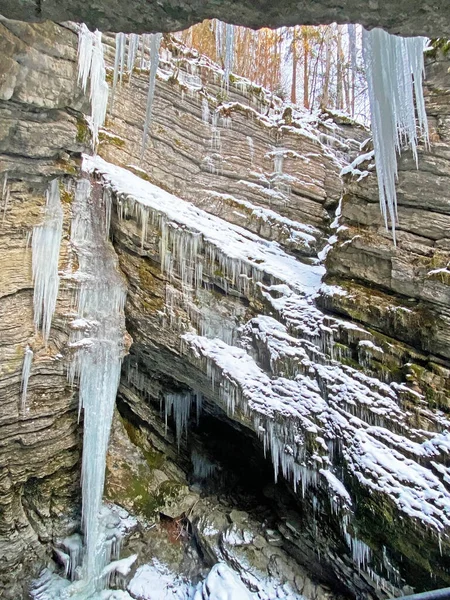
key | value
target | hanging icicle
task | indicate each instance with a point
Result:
(26, 370)
(91, 67)
(229, 53)
(155, 42)
(133, 44)
(119, 60)
(394, 69)
(45, 248)
(98, 346)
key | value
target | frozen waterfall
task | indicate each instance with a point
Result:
(97, 341)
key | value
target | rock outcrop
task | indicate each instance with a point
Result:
(139, 16)
(338, 402)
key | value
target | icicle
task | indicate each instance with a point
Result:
(118, 62)
(133, 44)
(203, 468)
(351, 28)
(85, 42)
(179, 405)
(394, 69)
(219, 29)
(205, 111)
(45, 248)
(155, 42)
(91, 66)
(229, 52)
(26, 370)
(97, 362)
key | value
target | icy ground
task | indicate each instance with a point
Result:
(154, 581)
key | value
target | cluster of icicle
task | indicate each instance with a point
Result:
(97, 341)
(394, 70)
(179, 406)
(45, 248)
(125, 60)
(92, 70)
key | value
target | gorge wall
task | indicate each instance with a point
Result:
(346, 383)
(40, 437)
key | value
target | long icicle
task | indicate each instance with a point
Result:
(45, 257)
(155, 42)
(91, 67)
(394, 69)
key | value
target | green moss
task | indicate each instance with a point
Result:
(154, 459)
(222, 97)
(83, 132)
(66, 196)
(106, 138)
(414, 549)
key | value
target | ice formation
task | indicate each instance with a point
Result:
(45, 248)
(205, 111)
(180, 405)
(26, 370)
(155, 42)
(97, 343)
(119, 62)
(225, 33)
(229, 52)
(91, 68)
(202, 467)
(194, 243)
(394, 70)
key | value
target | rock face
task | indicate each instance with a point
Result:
(404, 17)
(221, 229)
(40, 437)
(366, 443)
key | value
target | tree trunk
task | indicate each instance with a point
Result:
(294, 68)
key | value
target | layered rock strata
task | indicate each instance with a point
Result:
(348, 415)
(40, 436)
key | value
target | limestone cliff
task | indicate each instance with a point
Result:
(221, 230)
(380, 388)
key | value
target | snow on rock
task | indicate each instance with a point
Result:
(286, 380)
(154, 581)
(307, 233)
(330, 402)
(222, 583)
(189, 232)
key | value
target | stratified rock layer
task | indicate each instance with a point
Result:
(40, 437)
(335, 402)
